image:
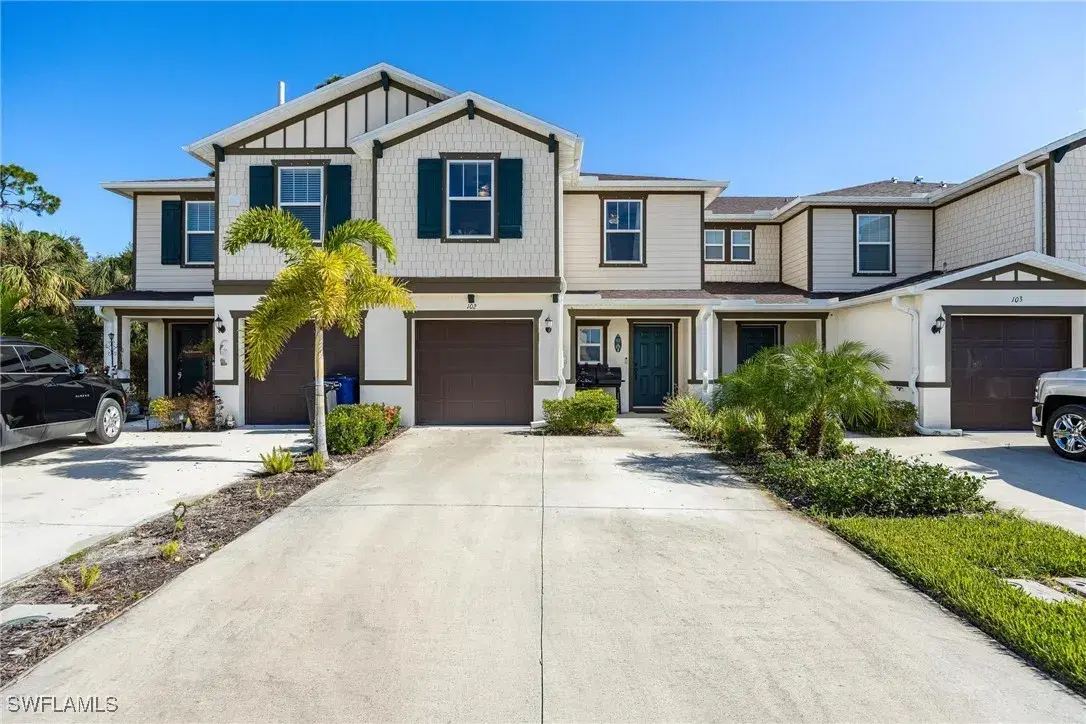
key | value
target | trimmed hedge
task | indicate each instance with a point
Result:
(875, 483)
(353, 427)
(897, 422)
(585, 412)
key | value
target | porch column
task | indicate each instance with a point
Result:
(124, 342)
(156, 359)
(109, 346)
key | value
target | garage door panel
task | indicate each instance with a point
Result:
(994, 364)
(473, 372)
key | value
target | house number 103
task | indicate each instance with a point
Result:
(1016, 299)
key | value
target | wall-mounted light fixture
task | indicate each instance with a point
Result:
(219, 325)
(548, 324)
(940, 322)
(471, 299)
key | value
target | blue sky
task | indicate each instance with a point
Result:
(776, 98)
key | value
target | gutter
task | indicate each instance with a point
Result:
(914, 375)
(1038, 195)
(704, 318)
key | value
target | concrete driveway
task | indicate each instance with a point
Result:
(63, 495)
(1021, 471)
(489, 575)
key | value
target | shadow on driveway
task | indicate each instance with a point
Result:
(1029, 467)
(107, 462)
(694, 468)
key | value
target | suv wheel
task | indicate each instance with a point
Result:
(107, 426)
(1066, 431)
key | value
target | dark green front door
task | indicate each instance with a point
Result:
(191, 357)
(753, 338)
(651, 365)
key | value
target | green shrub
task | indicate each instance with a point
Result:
(316, 462)
(678, 409)
(162, 410)
(875, 483)
(353, 427)
(833, 441)
(169, 549)
(277, 461)
(704, 426)
(743, 432)
(897, 421)
(585, 412)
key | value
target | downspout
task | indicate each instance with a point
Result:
(705, 329)
(1038, 211)
(914, 375)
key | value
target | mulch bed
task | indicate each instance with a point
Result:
(132, 564)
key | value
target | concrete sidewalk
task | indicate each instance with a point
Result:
(490, 575)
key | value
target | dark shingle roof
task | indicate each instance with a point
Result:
(633, 177)
(889, 188)
(747, 204)
(129, 295)
(764, 292)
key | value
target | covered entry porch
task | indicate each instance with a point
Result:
(742, 334)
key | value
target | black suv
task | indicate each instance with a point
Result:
(44, 396)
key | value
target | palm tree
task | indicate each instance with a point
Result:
(42, 268)
(843, 382)
(764, 384)
(33, 324)
(328, 284)
(107, 274)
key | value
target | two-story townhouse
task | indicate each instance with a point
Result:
(531, 276)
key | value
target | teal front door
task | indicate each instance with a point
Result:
(651, 365)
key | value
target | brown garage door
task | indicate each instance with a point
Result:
(280, 399)
(473, 372)
(994, 364)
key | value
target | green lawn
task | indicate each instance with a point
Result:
(961, 561)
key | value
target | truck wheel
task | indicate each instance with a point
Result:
(1066, 432)
(107, 426)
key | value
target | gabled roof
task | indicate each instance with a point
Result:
(894, 188)
(458, 104)
(128, 189)
(632, 177)
(204, 151)
(747, 204)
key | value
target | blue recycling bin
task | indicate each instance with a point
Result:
(347, 394)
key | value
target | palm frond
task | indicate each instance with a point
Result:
(360, 232)
(274, 320)
(277, 228)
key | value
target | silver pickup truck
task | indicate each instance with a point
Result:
(1059, 412)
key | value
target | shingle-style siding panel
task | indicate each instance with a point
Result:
(672, 245)
(257, 261)
(151, 274)
(767, 251)
(987, 225)
(1071, 206)
(397, 205)
(794, 249)
(833, 249)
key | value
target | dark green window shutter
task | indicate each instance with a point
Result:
(171, 232)
(510, 198)
(430, 201)
(262, 187)
(338, 197)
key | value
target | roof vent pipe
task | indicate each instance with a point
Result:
(918, 179)
(282, 92)
(1038, 190)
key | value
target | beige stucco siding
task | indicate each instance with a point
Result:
(1071, 206)
(987, 225)
(833, 249)
(767, 251)
(794, 249)
(672, 245)
(879, 326)
(795, 330)
(397, 205)
(258, 261)
(151, 274)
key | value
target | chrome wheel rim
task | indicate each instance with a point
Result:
(1069, 432)
(111, 421)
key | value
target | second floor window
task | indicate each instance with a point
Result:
(301, 193)
(199, 232)
(874, 243)
(470, 199)
(714, 245)
(623, 240)
(742, 245)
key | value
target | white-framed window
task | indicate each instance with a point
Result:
(590, 345)
(623, 237)
(742, 245)
(470, 199)
(199, 232)
(874, 243)
(714, 245)
(301, 192)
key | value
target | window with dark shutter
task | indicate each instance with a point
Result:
(338, 208)
(261, 187)
(171, 232)
(510, 198)
(430, 201)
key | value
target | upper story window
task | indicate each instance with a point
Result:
(623, 234)
(589, 345)
(470, 200)
(742, 245)
(874, 243)
(301, 192)
(199, 232)
(731, 246)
